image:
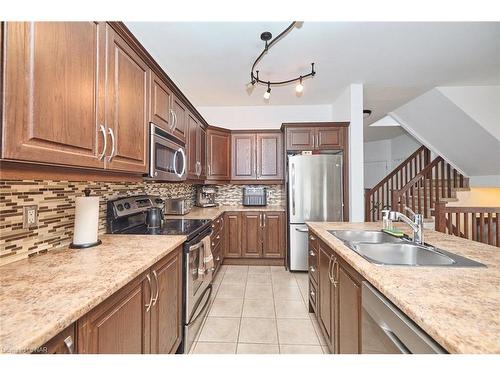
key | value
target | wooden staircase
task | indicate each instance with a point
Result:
(417, 183)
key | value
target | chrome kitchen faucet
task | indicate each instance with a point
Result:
(416, 224)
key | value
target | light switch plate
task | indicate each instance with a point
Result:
(30, 216)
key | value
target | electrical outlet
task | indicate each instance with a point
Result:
(30, 216)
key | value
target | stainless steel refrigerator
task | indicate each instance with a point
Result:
(314, 194)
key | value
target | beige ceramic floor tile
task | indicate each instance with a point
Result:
(297, 331)
(285, 282)
(291, 309)
(258, 308)
(258, 269)
(286, 292)
(317, 329)
(257, 349)
(234, 278)
(301, 276)
(231, 290)
(257, 291)
(237, 270)
(226, 307)
(220, 330)
(278, 269)
(258, 331)
(215, 348)
(301, 349)
(259, 278)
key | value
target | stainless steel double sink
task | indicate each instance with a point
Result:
(384, 249)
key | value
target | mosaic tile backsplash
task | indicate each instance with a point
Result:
(56, 200)
(56, 210)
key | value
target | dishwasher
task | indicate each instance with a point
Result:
(387, 330)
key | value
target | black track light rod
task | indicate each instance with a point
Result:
(266, 37)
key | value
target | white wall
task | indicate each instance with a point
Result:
(402, 147)
(356, 167)
(482, 103)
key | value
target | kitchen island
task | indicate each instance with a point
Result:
(458, 307)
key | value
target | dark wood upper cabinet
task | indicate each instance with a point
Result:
(257, 156)
(273, 234)
(53, 93)
(218, 154)
(166, 318)
(300, 138)
(120, 324)
(251, 224)
(180, 127)
(243, 156)
(196, 149)
(202, 151)
(127, 99)
(232, 243)
(161, 103)
(316, 136)
(269, 156)
(328, 138)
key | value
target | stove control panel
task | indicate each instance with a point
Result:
(132, 205)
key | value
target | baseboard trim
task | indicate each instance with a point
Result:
(254, 262)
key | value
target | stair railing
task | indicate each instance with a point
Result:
(480, 224)
(437, 180)
(379, 197)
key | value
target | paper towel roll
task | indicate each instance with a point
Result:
(86, 221)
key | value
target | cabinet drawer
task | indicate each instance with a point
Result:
(217, 224)
(63, 343)
(313, 294)
(313, 263)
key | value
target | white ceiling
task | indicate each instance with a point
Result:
(211, 61)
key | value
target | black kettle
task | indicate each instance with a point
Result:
(154, 217)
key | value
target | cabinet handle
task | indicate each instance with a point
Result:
(217, 259)
(172, 119)
(148, 305)
(312, 293)
(312, 238)
(263, 220)
(157, 288)
(209, 169)
(70, 345)
(312, 253)
(213, 243)
(222, 223)
(113, 148)
(105, 142)
(175, 121)
(312, 269)
(218, 237)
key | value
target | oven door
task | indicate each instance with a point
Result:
(167, 160)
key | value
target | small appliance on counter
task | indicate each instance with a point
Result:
(86, 228)
(176, 206)
(205, 196)
(254, 196)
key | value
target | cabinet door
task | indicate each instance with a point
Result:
(63, 343)
(243, 157)
(192, 147)
(161, 103)
(53, 92)
(180, 123)
(127, 106)
(166, 318)
(251, 233)
(325, 290)
(218, 155)
(120, 324)
(329, 138)
(300, 138)
(269, 156)
(273, 236)
(349, 310)
(232, 224)
(202, 151)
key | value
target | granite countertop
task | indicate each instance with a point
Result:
(212, 212)
(42, 295)
(458, 307)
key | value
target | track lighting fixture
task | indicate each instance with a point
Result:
(269, 42)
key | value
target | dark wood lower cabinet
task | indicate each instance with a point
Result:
(142, 317)
(232, 226)
(166, 312)
(251, 225)
(336, 299)
(273, 234)
(63, 343)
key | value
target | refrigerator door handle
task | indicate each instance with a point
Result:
(302, 230)
(293, 189)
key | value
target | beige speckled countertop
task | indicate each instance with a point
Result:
(212, 212)
(42, 295)
(458, 307)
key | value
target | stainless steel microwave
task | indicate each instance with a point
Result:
(167, 156)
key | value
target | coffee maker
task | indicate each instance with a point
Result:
(205, 196)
